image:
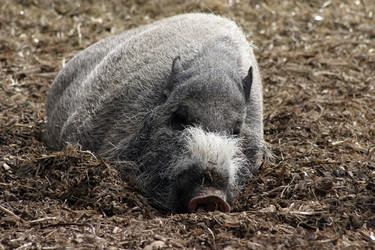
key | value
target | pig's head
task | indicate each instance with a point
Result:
(189, 149)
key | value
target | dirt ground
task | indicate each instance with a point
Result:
(318, 67)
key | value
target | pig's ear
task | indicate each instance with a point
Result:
(176, 65)
(175, 71)
(246, 83)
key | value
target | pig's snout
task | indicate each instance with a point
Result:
(208, 200)
(207, 169)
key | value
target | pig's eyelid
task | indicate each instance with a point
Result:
(180, 119)
(237, 128)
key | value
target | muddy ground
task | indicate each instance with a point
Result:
(318, 68)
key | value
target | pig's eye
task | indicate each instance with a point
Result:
(237, 128)
(180, 119)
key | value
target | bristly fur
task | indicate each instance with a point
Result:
(212, 150)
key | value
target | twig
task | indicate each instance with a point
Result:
(42, 220)
(287, 186)
(305, 213)
(66, 224)
(10, 213)
(273, 190)
(370, 153)
(213, 237)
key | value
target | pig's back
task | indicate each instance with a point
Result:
(122, 77)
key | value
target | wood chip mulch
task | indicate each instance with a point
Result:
(317, 60)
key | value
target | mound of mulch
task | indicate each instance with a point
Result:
(79, 180)
(317, 60)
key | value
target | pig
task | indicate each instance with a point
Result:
(178, 103)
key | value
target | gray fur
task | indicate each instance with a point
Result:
(121, 98)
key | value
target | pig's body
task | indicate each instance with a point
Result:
(185, 129)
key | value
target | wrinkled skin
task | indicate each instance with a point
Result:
(181, 110)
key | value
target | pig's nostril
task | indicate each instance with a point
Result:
(208, 204)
